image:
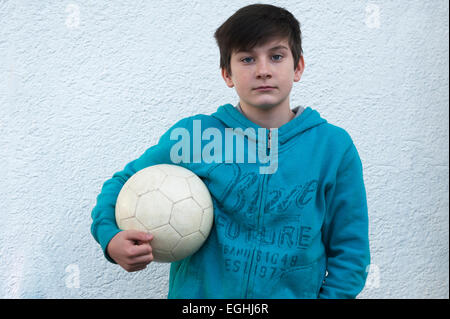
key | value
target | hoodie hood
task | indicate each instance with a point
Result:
(232, 118)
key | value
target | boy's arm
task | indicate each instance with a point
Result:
(104, 226)
(345, 232)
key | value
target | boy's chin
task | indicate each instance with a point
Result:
(265, 106)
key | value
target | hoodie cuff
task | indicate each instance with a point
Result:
(105, 237)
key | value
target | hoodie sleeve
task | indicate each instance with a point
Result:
(345, 232)
(104, 227)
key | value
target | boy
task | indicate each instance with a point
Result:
(294, 228)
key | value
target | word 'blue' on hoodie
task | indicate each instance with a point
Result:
(300, 231)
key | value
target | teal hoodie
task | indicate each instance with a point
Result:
(299, 230)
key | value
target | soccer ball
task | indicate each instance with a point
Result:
(170, 202)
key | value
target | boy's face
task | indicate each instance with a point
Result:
(270, 65)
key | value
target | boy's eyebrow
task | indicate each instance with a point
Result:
(278, 47)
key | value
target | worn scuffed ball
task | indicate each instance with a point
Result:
(170, 202)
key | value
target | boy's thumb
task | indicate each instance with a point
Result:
(139, 235)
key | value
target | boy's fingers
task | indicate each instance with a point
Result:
(140, 250)
(142, 260)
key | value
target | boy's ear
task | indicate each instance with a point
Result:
(227, 77)
(299, 69)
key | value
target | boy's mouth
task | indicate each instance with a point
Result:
(264, 88)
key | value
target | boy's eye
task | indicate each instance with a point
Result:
(246, 60)
(277, 55)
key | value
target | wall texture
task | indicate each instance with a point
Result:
(87, 86)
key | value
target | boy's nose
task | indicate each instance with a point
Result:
(263, 71)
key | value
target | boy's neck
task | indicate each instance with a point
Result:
(270, 118)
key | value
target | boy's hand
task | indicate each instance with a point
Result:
(131, 249)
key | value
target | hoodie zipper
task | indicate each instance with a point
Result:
(260, 212)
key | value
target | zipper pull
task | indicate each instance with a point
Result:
(268, 140)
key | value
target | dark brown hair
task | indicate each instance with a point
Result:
(257, 24)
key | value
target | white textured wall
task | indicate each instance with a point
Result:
(87, 86)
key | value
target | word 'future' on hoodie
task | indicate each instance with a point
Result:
(300, 232)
